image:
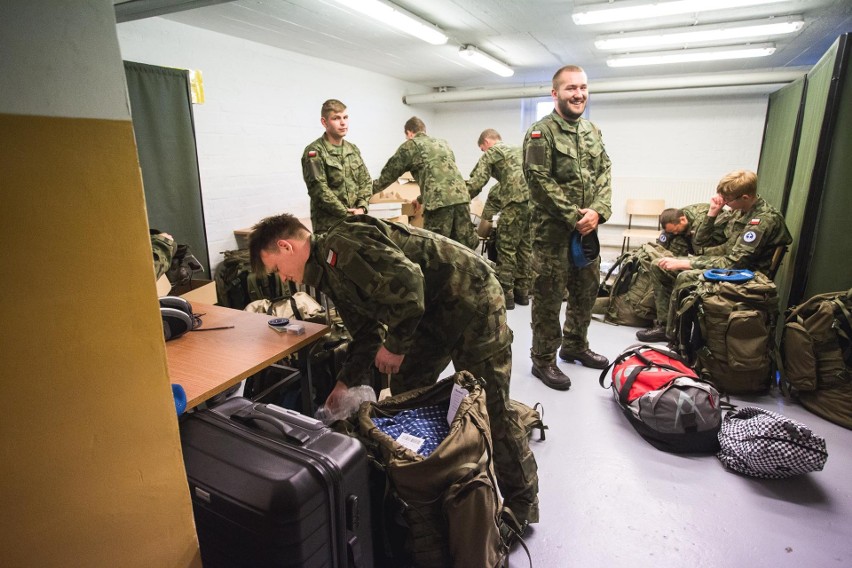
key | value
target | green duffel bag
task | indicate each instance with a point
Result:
(449, 496)
(816, 349)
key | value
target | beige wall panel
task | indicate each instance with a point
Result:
(91, 473)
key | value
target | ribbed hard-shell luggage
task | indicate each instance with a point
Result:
(272, 487)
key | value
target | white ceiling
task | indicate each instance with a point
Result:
(535, 37)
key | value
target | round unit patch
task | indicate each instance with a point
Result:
(749, 236)
(663, 237)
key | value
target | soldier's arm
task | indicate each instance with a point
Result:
(748, 249)
(397, 165)
(544, 191)
(364, 182)
(602, 200)
(480, 174)
(322, 197)
(390, 283)
(367, 336)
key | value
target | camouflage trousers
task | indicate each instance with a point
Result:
(514, 248)
(665, 283)
(452, 221)
(484, 348)
(554, 273)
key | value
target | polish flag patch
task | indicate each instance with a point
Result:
(754, 222)
(331, 259)
(535, 134)
(312, 154)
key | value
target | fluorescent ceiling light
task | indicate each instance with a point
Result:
(690, 55)
(485, 61)
(643, 9)
(398, 18)
(700, 34)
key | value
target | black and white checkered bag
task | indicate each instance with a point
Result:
(761, 443)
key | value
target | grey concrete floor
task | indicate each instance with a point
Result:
(609, 499)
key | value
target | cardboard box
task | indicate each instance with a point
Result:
(200, 290)
(404, 189)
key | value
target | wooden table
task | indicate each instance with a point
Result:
(206, 363)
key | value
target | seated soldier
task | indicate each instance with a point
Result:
(413, 301)
(755, 230)
(681, 225)
(163, 247)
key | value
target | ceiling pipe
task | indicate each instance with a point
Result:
(773, 76)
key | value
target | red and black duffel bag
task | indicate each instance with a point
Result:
(665, 400)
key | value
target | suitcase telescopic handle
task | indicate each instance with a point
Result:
(258, 412)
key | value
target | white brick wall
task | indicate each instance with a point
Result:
(262, 108)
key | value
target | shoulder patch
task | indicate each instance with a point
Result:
(312, 153)
(331, 259)
(754, 222)
(535, 134)
(663, 237)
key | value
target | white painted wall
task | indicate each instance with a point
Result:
(262, 107)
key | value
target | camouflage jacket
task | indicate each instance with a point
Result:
(392, 282)
(752, 238)
(686, 244)
(433, 165)
(567, 169)
(337, 180)
(164, 250)
(505, 164)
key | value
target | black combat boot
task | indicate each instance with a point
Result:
(653, 334)
(552, 376)
(586, 358)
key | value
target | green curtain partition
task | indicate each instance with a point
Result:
(161, 110)
(780, 143)
(809, 192)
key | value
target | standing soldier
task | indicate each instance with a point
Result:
(568, 172)
(442, 189)
(414, 301)
(337, 179)
(510, 197)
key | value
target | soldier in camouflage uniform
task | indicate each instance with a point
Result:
(681, 225)
(337, 179)
(754, 231)
(413, 301)
(510, 197)
(164, 247)
(446, 205)
(568, 173)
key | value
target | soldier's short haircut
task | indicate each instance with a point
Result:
(670, 216)
(736, 184)
(488, 134)
(565, 69)
(414, 125)
(330, 107)
(268, 232)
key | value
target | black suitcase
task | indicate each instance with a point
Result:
(272, 487)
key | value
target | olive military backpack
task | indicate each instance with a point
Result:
(816, 349)
(726, 331)
(629, 298)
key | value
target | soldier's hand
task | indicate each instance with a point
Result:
(716, 204)
(589, 221)
(387, 362)
(672, 263)
(355, 211)
(332, 403)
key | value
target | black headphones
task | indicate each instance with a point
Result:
(177, 316)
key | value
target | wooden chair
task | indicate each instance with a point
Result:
(642, 208)
(775, 263)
